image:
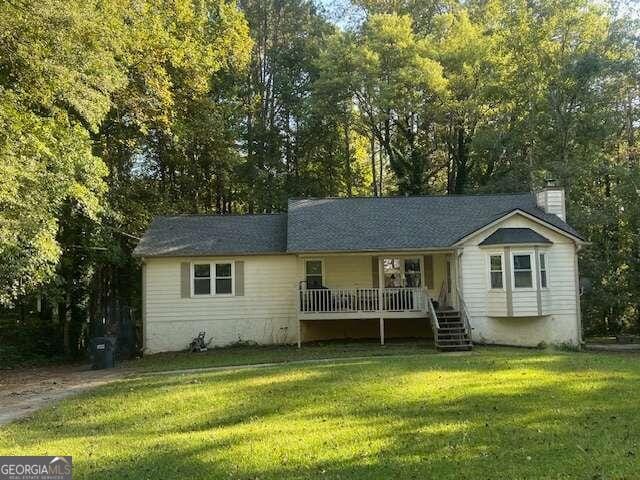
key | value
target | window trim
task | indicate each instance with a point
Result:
(534, 265)
(546, 269)
(212, 277)
(322, 272)
(490, 271)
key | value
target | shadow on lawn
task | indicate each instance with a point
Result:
(450, 417)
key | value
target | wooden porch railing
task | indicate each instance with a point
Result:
(354, 300)
(433, 316)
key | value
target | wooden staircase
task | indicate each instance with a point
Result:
(451, 334)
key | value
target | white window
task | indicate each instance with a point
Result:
(392, 269)
(522, 272)
(213, 278)
(314, 274)
(224, 279)
(202, 279)
(543, 270)
(496, 272)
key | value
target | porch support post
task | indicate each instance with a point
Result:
(381, 297)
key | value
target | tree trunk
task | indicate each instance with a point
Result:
(372, 144)
(461, 160)
(348, 169)
(67, 322)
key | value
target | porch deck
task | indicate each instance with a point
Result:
(451, 333)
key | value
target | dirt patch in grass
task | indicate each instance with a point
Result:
(26, 390)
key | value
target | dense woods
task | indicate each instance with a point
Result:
(114, 111)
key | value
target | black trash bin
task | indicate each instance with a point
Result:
(103, 350)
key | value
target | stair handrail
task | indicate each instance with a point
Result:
(435, 325)
(464, 312)
(442, 296)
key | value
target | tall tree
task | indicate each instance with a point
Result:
(58, 69)
(398, 89)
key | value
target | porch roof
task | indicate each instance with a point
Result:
(400, 223)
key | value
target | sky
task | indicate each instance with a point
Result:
(341, 12)
(345, 15)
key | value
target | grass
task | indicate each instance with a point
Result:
(494, 414)
(251, 355)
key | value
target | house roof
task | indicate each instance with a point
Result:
(193, 235)
(341, 225)
(508, 236)
(401, 223)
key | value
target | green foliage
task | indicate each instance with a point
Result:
(397, 87)
(36, 341)
(91, 97)
(114, 111)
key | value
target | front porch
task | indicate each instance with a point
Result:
(343, 294)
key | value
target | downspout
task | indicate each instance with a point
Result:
(144, 305)
(578, 294)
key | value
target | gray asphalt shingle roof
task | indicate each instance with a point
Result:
(185, 235)
(339, 225)
(400, 223)
(507, 236)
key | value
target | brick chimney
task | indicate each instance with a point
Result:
(551, 199)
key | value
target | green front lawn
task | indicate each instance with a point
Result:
(494, 414)
(251, 355)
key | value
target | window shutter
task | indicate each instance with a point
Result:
(375, 274)
(185, 280)
(239, 287)
(428, 271)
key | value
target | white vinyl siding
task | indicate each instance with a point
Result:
(558, 322)
(553, 201)
(348, 271)
(355, 271)
(265, 314)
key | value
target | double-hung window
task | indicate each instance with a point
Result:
(542, 262)
(314, 274)
(522, 272)
(412, 273)
(224, 278)
(213, 278)
(496, 271)
(202, 279)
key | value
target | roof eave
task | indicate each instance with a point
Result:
(209, 254)
(370, 250)
(515, 244)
